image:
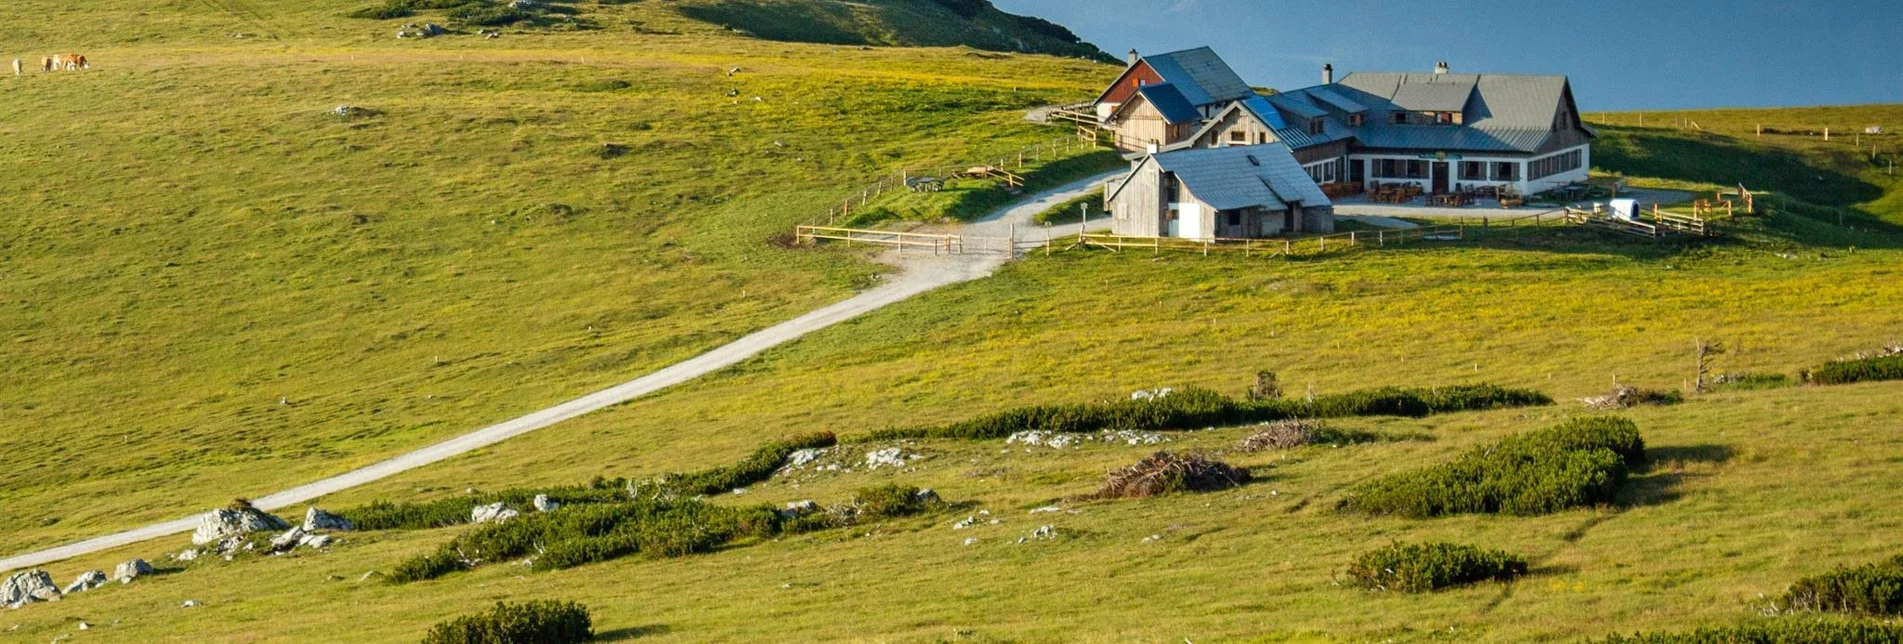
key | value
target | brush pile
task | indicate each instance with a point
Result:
(1281, 434)
(1626, 396)
(1170, 472)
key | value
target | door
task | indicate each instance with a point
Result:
(1190, 224)
(1440, 177)
(1357, 171)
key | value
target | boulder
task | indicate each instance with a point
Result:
(431, 29)
(318, 541)
(86, 581)
(799, 508)
(136, 568)
(224, 524)
(493, 513)
(316, 520)
(27, 587)
(542, 504)
(288, 540)
(926, 496)
(187, 554)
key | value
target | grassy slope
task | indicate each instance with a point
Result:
(217, 288)
(912, 23)
(1754, 488)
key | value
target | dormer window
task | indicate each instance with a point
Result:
(1356, 119)
(1315, 127)
(1444, 118)
(1397, 117)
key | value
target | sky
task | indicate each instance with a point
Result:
(1620, 54)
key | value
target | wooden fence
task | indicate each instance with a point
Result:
(939, 244)
(1293, 246)
(1004, 167)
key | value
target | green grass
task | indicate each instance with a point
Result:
(968, 198)
(1071, 211)
(216, 289)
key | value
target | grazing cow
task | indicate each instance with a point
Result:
(70, 62)
(46, 64)
(18, 67)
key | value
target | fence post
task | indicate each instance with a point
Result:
(1381, 239)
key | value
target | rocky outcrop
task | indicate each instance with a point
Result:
(86, 581)
(543, 504)
(288, 540)
(316, 520)
(134, 569)
(27, 587)
(800, 509)
(493, 513)
(224, 524)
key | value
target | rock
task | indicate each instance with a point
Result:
(800, 508)
(888, 457)
(1044, 532)
(87, 581)
(136, 568)
(522, 4)
(316, 541)
(926, 496)
(85, 626)
(431, 29)
(316, 520)
(187, 554)
(27, 587)
(225, 523)
(190, 603)
(970, 540)
(543, 504)
(493, 513)
(288, 540)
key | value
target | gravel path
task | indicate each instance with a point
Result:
(918, 274)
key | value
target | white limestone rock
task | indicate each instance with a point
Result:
(224, 524)
(136, 568)
(86, 581)
(27, 587)
(316, 520)
(493, 513)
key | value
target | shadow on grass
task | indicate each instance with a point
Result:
(1663, 475)
(632, 633)
(1698, 158)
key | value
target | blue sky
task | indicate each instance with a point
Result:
(1621, 54)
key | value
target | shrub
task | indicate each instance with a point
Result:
(1776, 631)
(385, 515)
(586, 534)
(1750, 381)
(1870, 589)
(1839, 372)
(488, 15)
(1578, 463)
(533, 622)
(385, 11)
(1423, 567)
(756, 467)
(887, 501)
(1171, 472)
(1195, 408)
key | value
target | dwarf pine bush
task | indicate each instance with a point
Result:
(534, 622)
(756, 467)
(1423, 567)
(1776, 631)
(1195, 408)
(1840, 372)
(1578, 463)
(385, 515)
(1870, 589)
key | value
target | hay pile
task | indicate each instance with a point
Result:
(1281, 434)
(1170, 472)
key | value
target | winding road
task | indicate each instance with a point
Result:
(917, 274)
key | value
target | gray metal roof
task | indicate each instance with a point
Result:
(1169, 101)
(1297, 105)
(1337, 101)
(1243, 176)
(1200, 75)
(1502, 112)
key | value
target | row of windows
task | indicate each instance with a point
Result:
(1556, 164)
(1399, 168)
(1398, 117)
(1488, 171)
(1326, 171)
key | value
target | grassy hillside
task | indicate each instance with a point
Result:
(929, 23)
(219, 286)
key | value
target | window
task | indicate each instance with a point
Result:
(1315, 126)
(1397, 117)
(1473, 171)
(1444, 118)
(1238, 136)
(1325, 172)
(1504, 171)
(1416, 169)
(1557, 164)
(1356, 119)
(1235, 219)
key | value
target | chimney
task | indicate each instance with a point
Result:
(1440, 68)
(1328, 74)
(1133, 56)
(1151, 148)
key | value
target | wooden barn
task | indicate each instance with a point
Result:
(1230, 192)
(1164, 98)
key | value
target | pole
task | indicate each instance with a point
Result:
(1083, 214)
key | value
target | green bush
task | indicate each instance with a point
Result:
(756, 467)
(534, 622)
(1196, 408)
(589, 533)
(1870, 589)
(1423, 567)
(1578, 463)
(1839, 372)
(1776, 631)
(1750, 381)
(440, 513)
(887, 501)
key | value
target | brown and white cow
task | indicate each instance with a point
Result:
(69, 62)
